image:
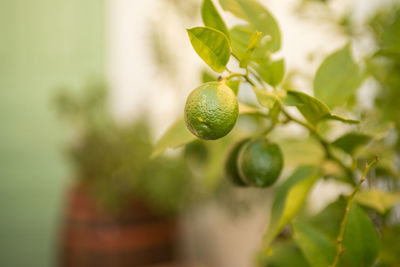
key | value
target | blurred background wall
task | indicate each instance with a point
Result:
(44, 44)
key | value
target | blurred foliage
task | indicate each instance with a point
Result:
(114, 158)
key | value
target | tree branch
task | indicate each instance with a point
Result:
(339, 240)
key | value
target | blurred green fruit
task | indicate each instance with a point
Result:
(260, 162)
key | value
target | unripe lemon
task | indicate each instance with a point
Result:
(211, 111)
(260, 162)
(231, 168)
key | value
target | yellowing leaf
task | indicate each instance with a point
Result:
(244, 61)
(379, 200)
(211, 45)
(288, 199)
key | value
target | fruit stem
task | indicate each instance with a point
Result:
(339, 240)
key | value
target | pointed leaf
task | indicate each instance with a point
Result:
(211, 45)
(351, 141)
(240, 39)
(318, 249)
(176, 135)
(244, 61)
(259, 18)
(311, 108)
(289, 197)
(337, 78)
(360, 241)
(379, 200)
(212, 18)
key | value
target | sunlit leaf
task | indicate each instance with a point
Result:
(337, 78)
(211, 45)
(244, 61)
(271, 72)
(264, 97)
(259, 18)
(351, 141)
(212, 18)
(360, 241)
(379, 200)
(176, 136)
(318, 249)
(289, 197)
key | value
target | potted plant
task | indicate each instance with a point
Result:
(121, 209)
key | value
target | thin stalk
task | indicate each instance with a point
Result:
(339, 240)
(321, 140)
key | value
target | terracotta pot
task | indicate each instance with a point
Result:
(91, 236)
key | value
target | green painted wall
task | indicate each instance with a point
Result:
(43, 44)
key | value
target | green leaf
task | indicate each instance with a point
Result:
(211, 45)
(265, 98)
(311, 108)
(259, 18)
(328, 220)
(176, 136)
(342, 119)
(337, 78)
(207, 76)
(360, 241)
(240, 39)
(284, 253)
(379, 200)
(244, 61)
(234, 85)
(289, 198)
(317, 248)
(271, 72)
(351, 141)
(301, 151)
(212, 18)
(274, 112)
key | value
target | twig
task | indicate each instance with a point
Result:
(339, 240)
(321, 140)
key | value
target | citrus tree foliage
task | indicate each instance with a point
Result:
(343, 233)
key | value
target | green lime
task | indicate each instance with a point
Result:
(231, 168)
(260, 162)
(211, 111)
